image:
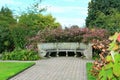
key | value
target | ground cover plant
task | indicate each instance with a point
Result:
(89, 75)
(9, 69)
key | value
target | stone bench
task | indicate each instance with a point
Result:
(75, 47)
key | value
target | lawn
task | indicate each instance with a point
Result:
(89, 75)
(9, 69)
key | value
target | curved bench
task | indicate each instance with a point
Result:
(75, 47)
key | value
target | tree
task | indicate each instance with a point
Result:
(37, 21)
(6, 42)
(36, 8)
(100, 11)
(6, 21)
(6, 17)
(29, 23)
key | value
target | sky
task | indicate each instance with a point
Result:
(66, 12)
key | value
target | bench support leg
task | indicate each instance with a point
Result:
(49, 54)
(75, 54)
(66, 53)
(57, 54)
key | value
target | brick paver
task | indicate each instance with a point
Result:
(59, 68)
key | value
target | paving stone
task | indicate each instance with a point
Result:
(59, 68)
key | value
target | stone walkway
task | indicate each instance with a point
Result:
(59, 68)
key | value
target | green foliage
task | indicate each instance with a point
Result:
(6, 17)
(36, 7)
(6, 21)
(16, 34)
(89, 75)
(110, 66)
(9, 69)
(20, 55)
(111, 70)
(19, 36)
(6, 42)
(104, 15)
(37, 21)
(109, 22)
(30, 24)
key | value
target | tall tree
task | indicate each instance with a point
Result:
(96, 7)
(37, 21)
(6, 17)
(6, 21)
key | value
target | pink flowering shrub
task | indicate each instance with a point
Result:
(85, 35)
(71, 35)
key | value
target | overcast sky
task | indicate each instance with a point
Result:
(67, 12)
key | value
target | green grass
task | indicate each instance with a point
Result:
(9, 69)
(89, 75)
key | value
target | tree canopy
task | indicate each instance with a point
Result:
(6, 17)
(6, 21)
(103, 14)
(38, 21)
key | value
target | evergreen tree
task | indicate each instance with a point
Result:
(97, 8)
(6, 21)
(6, 17)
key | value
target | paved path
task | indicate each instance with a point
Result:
(60, 68)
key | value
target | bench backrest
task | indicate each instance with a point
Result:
(67, 45)
(46, 46)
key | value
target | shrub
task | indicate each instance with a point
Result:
(19, 35)
(76, 34)
(107, 68)
(100, 46)
(20, 55)
(70, 35)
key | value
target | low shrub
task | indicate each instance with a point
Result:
(20, 55)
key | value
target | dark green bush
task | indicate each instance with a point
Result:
(20, 55)
(6, 42)
(19, 35)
